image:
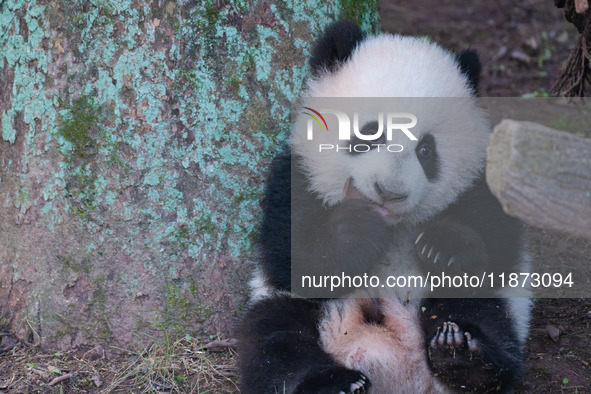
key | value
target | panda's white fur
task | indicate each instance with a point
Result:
(391, 353)
(463, 137)
(409, 58)
(388, 353)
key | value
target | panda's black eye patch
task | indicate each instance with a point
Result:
(360, 146)
(426, 152)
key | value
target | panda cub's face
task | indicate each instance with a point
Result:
(423, 176)
(396, 181)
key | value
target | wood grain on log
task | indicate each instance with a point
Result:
(542, 176)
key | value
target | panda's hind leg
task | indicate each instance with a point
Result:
(280, 351)
(454, 356)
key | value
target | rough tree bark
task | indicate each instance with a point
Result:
(134, 142)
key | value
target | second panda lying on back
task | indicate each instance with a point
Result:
(428, 208)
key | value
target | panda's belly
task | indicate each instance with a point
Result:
(390, 352)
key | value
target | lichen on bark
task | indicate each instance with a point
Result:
(134, 143)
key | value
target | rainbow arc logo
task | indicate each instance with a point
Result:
(316, 118)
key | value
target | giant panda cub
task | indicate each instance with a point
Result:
(427, 208)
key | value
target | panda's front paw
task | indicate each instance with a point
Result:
(334, 380)
(450, 247)
(360, 235)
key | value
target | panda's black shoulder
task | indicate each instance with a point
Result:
(288, 186)
(479, 209)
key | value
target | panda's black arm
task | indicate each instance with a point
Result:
(502, 234)
(278, 344)
(280, 351)
(275, 232)
(479, 236)
(314, 239)
(475, 231)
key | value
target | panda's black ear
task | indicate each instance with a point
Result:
(469, 63)
(335, 46)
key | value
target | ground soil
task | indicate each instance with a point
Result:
(522, 45)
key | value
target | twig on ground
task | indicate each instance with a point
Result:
(59, 379)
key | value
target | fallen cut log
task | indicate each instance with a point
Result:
(542, 176)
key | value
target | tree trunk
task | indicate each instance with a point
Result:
(134, 146)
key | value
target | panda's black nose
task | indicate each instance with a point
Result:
(387, 195)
